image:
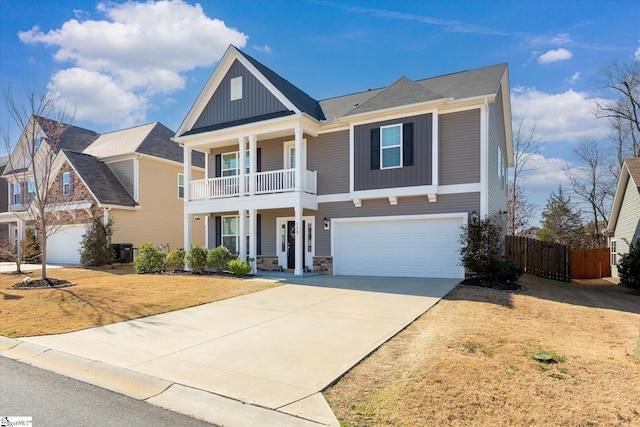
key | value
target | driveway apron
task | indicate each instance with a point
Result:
(275, 349)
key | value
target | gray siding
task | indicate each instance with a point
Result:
(271, 154)
(256, 100)
(328, 154)
(628, 225)
(418, 174)
(459, 147)
(497, 197)
(446, 203)
(125, 173)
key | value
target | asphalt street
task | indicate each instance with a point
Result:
(56, 401)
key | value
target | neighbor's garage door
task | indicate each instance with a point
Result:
(398, 247)
(63, 245)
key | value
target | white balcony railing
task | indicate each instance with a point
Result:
(278, 181)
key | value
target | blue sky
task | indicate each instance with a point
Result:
(122, 64)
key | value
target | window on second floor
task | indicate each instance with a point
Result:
(230, 164)
(236, 88)
(181, 185)
(391, 146)
(31, 189)
(16, 191)
(67, 184)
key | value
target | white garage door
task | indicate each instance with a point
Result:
(63, 245)
(398, 247)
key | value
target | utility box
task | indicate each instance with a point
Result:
(123, 252)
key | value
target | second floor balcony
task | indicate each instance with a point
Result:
(270, 182)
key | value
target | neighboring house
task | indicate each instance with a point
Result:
(4, 198)
(133, 177)
(372, 183)
(624, 223)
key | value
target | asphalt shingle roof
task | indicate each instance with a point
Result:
(72, 137)
(101, 181)
(633, 164)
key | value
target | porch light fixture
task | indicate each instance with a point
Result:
(326, 223)
(196, 219)
(474, 215)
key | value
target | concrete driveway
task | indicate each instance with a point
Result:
(258, 359)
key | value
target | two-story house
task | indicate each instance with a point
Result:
(122, 176)
(372, 183)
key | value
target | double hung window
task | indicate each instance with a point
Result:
(67, 185)
(391, 146)
(231, 164)
(231, 232)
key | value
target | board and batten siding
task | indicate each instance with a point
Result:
(256, 100)
(459, 147)
(447, 203)
(628, 225)
(124, 171)
(417, 174)
(497, 196)
(160, 218)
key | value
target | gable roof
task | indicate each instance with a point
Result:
(153, 139)
(298, 97)
(99, 179)
(461, 85)
(72, 137)
(630, 170)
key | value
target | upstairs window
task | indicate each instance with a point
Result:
(236, 88)
(181, 185)
(17, 193)
(67, 184)
(231, 162)
(392, 146)
(37, 142)
(31, 189)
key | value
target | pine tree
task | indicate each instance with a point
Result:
(561, 223)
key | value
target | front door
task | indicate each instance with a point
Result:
(291, 244)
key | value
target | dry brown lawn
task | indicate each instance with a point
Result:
(101, 297)
(469, 362)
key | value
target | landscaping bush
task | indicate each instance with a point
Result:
(239, 267)
(196, 258)
(149, 260)
(219, 258)
(482, 252)
(30, 247)
(629, 267)
(175, 260)
(95, 247)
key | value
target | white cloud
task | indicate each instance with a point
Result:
(637, 55)
(263, 49)
(574, 78)
(561, 39)
(561, 54)
(143, 49)
(567, 116)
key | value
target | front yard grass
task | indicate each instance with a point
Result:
(104, 296)
(469, 361)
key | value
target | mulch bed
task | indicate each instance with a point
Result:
(42, 284)
(493, 284)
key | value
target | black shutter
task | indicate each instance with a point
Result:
(258, 159)
(218, 165)
(375, 148)
(407, 144)
(218, 231)
(258, 234)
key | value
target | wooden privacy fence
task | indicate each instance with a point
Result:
(590, 263)
(550, 260)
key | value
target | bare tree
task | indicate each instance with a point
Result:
(525, 148)
(623, 79)
(520, 210)
(42, 125)
(593, 182)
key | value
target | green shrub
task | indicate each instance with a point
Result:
(30, 247)
(629, 267)
(196, 258)
(95, 247)
(219, 258)
(175, 260)
(149, 260)
(239, 267)
(508, 271)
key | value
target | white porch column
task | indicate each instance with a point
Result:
(242, 233)
(252, 239)
(253, 162)
(20, 229)
(299, 162)
(187, 173)
(299, 240)
(206, 231)
(187, 231)
(242, 159)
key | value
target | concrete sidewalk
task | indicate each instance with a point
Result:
(258, 359)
